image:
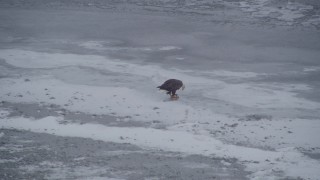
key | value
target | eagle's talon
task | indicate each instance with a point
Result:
(174, 97)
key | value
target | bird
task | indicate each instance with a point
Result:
(171, 86)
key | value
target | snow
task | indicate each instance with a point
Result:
(265, 98)
(108, 46)
(311, 69)
(251, 92)
(125, 100)
(268, 97)
(288, 160)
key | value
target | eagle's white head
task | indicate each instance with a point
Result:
(183, 86)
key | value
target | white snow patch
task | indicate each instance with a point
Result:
(224, 73)
(107, 45)
(31, 59)
(311, 69)
(195, 165)
(51, 164)
(96, 45)
(12, 160)
(169, 48)
(180, 58)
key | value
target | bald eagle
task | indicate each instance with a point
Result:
(171, 86)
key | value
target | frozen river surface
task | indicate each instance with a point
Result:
(78, 97)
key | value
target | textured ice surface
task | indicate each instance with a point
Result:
(78, 95)
(261, 162)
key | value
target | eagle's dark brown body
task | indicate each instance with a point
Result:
(171, 86)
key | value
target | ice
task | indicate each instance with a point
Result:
(311, 69)
(188, 123)
(4, 113)
(79, 72)
(266, 98)
(287, 12)
(262, 162)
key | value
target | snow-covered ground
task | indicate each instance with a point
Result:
(78, 82)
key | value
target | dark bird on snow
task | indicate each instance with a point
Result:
(171, 86)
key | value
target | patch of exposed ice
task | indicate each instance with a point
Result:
(25, 141)
(285, 11)
(260, 97)
(12, 148)
(58, 170)
(313, 21)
